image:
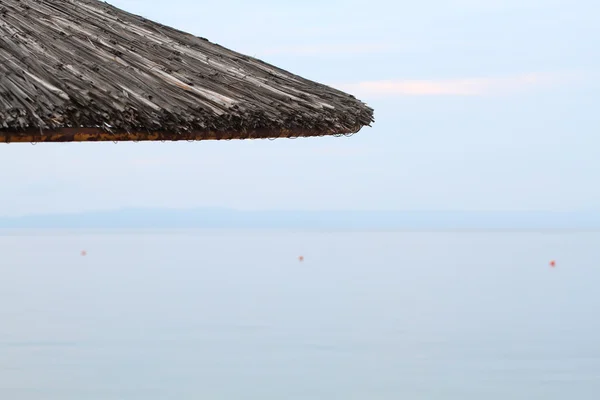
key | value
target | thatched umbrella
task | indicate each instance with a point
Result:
(82, 70)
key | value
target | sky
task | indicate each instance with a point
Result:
(479, 105)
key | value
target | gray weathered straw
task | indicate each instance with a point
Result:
(83, 70)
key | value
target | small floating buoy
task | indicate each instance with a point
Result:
(301, 258)
(553, 263)
(83, 253)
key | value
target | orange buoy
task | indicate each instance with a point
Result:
(553, 263)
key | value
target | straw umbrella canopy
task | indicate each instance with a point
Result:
(83, 70)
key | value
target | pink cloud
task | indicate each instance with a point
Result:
(457, 87)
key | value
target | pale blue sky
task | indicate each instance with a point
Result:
(479, 105)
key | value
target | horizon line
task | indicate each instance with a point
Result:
(292, 210)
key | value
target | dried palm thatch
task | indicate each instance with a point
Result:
(82, 70)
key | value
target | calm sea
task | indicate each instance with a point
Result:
(235, 315)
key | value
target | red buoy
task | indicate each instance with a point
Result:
(553, 263)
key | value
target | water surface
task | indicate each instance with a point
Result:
(235, 315)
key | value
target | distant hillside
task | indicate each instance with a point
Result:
(226, 218)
